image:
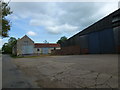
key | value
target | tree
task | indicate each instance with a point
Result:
(62, 39)
(45, 41)
(5, 23)
(12, 41)
(7, 47)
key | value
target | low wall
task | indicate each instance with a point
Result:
(71, 50)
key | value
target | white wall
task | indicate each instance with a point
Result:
(40, 50)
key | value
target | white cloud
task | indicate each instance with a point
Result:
(62, 0)
(38, 22)
(62, 28)
(62, 17)
(31, 33)
(1, 42)
(13, 17)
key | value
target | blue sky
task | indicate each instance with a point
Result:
(50, 21)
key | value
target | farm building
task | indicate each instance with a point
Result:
(45, 48)
(26, 46)
(103, 37)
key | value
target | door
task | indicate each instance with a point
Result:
(94, 43)
(107, 44)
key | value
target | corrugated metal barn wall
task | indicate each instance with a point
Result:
(116, 29)
(98, 42)
(94, 43)
(107, 43)
(117, 39)
(74, 41)
(83, 44)
(71, 42)
(77, 40)
(100, 37)
(101, 41)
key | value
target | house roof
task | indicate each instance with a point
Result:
(26, 37)
(39, 45)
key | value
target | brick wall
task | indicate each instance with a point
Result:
(71, 50)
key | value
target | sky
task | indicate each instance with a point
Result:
(51, 20)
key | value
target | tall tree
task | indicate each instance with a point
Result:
(5, 22)
(7, 47)
(62, 39)
(12, 41)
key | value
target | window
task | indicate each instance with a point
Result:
(38, 49)
(54, 48)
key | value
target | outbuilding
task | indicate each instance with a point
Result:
(45, 48)
(26, 46)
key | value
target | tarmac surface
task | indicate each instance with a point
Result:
(0, 71)
(72, 71)
(12, 77)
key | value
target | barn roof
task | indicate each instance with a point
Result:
(102, 24)
(39, 45)
(26, 37)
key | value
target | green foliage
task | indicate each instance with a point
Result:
(62, 39)
(12, 41)
(5, 23)
(7, 47)
(45, 41)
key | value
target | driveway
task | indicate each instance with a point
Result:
(12, 77)
(76, 71)
(0, 71)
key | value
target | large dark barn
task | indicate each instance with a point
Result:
(100, 38)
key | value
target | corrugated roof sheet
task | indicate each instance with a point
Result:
(39, 45)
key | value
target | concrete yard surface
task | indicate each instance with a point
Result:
(0, 71)
(12, 77)
(72, 71)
